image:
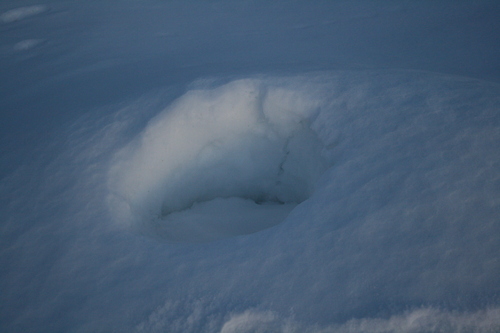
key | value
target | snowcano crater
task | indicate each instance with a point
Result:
(220, 162)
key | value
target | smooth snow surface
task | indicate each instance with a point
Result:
(21, 13)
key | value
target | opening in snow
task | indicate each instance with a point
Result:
(219, 162)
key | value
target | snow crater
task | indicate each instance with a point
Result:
(219, 162)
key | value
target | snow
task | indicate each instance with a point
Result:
(229, 156)
(21, 13)
(256, 171)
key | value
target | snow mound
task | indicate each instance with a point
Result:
(220, 162)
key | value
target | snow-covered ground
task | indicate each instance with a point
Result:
(249, 166)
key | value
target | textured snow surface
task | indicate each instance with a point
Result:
(348, 201)
(249, 166)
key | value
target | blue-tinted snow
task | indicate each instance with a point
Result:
(396, 102)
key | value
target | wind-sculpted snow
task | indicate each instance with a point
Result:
(356, 201)
(224, 161)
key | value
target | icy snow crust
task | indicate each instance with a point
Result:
(382, 189)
